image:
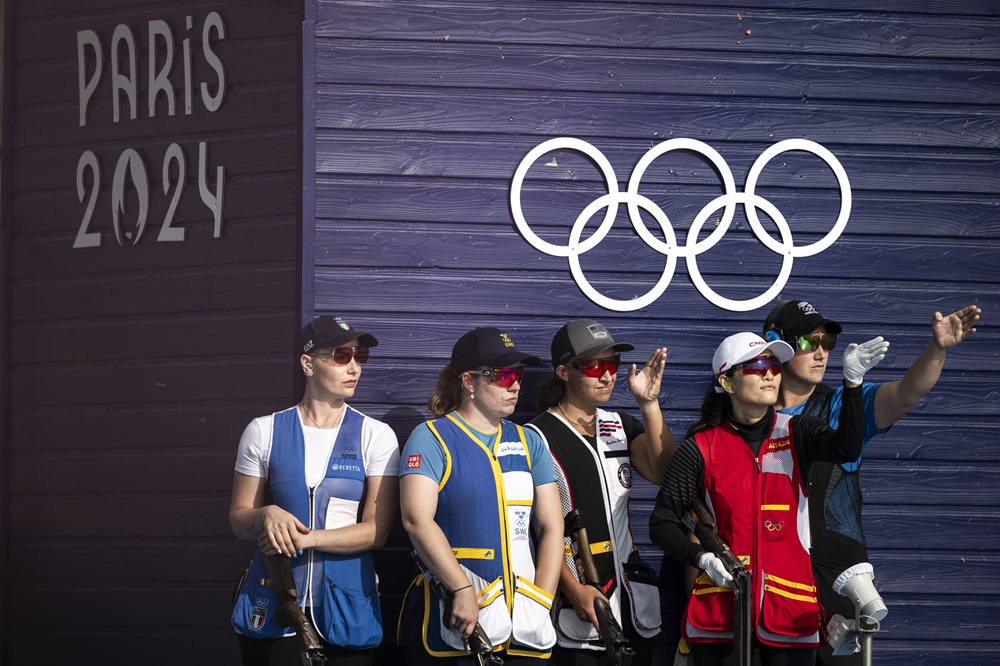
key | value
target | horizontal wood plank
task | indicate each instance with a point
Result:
(457, 66)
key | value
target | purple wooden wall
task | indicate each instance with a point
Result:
(422, 116)
(134, 367)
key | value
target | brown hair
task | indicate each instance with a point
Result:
(447, 397)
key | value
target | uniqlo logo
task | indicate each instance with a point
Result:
(413, 462)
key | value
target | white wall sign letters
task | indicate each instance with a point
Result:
(669, 247)
(131, 177)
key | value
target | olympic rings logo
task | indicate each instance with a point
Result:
(728, 201)
(773, 526)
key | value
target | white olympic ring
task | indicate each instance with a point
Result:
(730, 198)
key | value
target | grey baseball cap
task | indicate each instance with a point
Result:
(581, 338)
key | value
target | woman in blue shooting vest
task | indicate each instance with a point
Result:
(479, 501)
(316, 483)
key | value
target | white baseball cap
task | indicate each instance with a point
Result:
(742, 347)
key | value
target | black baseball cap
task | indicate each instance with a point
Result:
(790, 319)
(487, 346)
(330, 331)
(581, 338)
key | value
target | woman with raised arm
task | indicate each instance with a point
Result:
(595, 451)
(317, 484)
(749, 464)
(473, 486)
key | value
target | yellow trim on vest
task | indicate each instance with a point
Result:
(473, 553)
(508, 583)
(524, 444)
(265, 581)
(774, 507)
(489, 593)
(520, 503)
(710, 590)
(600, 547)
(426, 622)
(788, 583)
(790, 595)
(568, 551)
(524, 653)
(447, 455)
(529, 589)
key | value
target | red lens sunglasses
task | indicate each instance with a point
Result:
(761, 365)
(596, 367)
(502, 377)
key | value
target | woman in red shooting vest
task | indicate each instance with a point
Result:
(747, 463)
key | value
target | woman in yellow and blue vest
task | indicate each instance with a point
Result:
(316, 483)
(479, 501)
(749, 464)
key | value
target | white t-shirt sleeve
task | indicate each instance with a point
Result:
(255, 447)
(381, 450)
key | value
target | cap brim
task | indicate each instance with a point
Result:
(512, 358)
(597, 349)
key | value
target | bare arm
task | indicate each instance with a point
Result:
(377, 515)
(418, 496)
(547, 523)
(652, 450)
(270, 525)
(895, 399)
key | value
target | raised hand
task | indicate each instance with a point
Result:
(949, 331)
(645, 385)
(859, 359)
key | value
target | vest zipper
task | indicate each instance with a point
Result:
(307, 597)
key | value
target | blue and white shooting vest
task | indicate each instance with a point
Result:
(340, 590)
(484, 509)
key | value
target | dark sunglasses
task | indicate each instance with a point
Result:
(502, 377)
(761, 365)
(596, 367)
(810, 343)
(343, 355)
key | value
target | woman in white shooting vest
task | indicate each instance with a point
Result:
(595, 452)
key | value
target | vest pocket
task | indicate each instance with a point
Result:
(710, 607)
(493, 615)
(349, 618)
(256, 609)
(644, 595)
(789, 608)
(532, 623)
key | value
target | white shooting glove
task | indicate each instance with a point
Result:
(715, 569)
(859, 359)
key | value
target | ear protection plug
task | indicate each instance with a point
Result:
(309, 366)
(724, 381)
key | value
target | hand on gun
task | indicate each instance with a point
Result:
(716, 570)
(464, 612)
(583, 597)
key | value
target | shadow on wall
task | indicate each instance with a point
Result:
(393, 563)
